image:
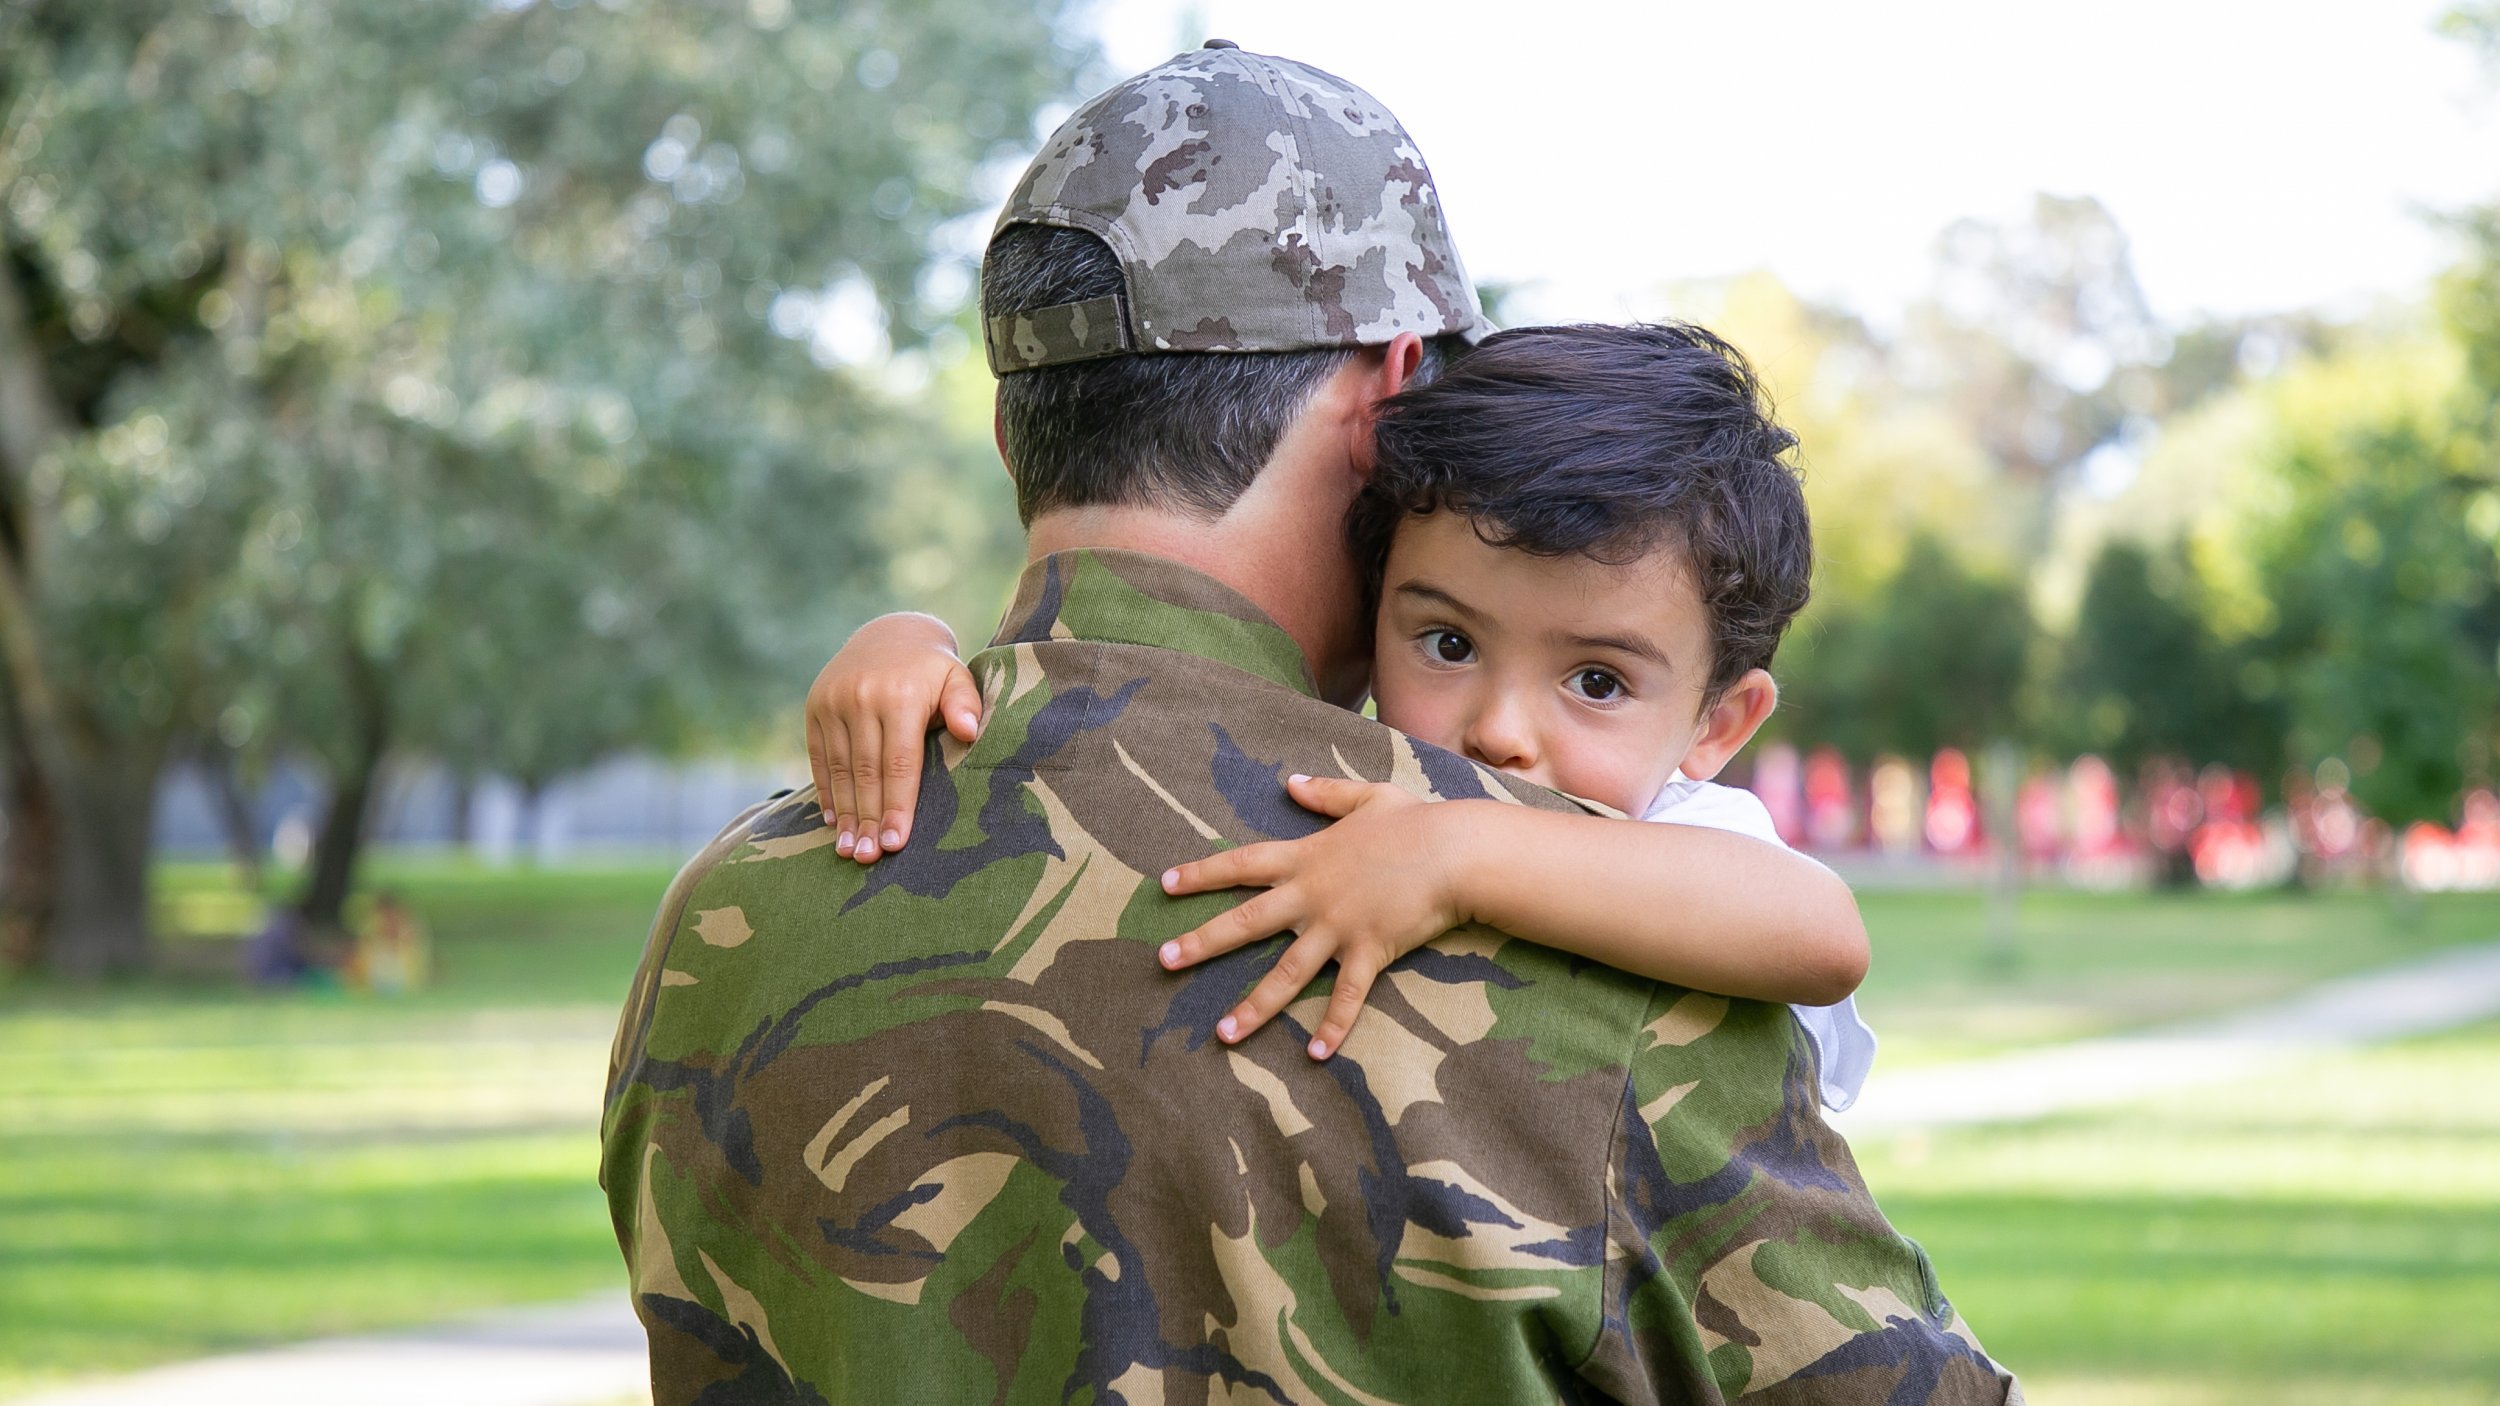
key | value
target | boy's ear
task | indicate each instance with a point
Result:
(1731, 723)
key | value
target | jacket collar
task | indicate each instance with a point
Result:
(1118, 597)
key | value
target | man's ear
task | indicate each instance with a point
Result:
(1379, 380)
(1732, 722)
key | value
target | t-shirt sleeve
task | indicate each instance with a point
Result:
(1715, 807)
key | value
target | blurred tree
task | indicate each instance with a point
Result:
(378, 376)
(1935, 659)
(2211, 356)
(1883, 462)
(2470, 300)
(2470, 295)
(2478, 24)
(2143, 675)
(2039, 336)
(2359, 556)
(2383, 573)
(1916, 537)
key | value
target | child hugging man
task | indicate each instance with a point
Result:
(1586, 545)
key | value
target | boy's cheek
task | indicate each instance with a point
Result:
(1624, 767)
(1406, 707)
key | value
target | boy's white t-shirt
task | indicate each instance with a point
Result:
(1845, 1047)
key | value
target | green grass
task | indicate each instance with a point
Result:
(2327, 1235)
(186, 1167)
(2086, 964)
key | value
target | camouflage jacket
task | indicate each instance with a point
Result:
(943, 1130)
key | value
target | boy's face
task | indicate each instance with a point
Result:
(1580, 676)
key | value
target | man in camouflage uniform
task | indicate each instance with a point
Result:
(942, 1129)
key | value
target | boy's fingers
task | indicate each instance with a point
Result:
(835, 790)
(816, 766)
(1261, 865)
(1300, 961)
(867, 784)
(960, 704)
(1262, 917)
(1328, 795)
(1354, 986)
(903, 744)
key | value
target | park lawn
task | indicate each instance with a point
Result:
(2327, 1236)
(2088, 964)
(186, 1168)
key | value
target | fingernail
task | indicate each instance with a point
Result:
(1296, 779)
(1224, 1029)
(893, 839)
(842, 846)
(829, 820)
(1319, 1049)
(1171, 879)
(1171, 954)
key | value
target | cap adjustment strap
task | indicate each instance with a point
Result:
(1055, 336)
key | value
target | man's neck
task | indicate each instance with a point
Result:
(1278, 578)
(1191, 541)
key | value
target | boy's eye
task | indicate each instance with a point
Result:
(1597, 685)
(1449, 646)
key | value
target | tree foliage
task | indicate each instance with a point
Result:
(2039, 336)
(481, 378)
(2143, 675)
(2387, 588)
(1935, 659)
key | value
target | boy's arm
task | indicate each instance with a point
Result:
(1689, 906)
(868, 719)
(1709, 909)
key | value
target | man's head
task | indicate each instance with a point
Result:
(1202, 264)
(1185, 434)
(1588, 544)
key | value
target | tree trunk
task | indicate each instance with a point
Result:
(103, 789)
(341, 841)
(2000, 784)
(32, 420)
(533, 791)
(463, 802)
(234, 814)
(30, 864)
(108, 818)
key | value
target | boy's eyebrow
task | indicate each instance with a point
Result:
(1426, 591)
(1638, 646)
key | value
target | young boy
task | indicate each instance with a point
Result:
(1587, 548)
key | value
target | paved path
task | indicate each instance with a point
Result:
(592, 1352)
(2454, 988)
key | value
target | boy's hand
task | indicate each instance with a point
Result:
(868, 719)
(1365, 891)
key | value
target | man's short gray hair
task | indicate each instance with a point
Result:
(1182, 431)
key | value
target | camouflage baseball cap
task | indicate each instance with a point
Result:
(1256, 204)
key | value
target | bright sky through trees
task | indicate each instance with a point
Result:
(2263, 154)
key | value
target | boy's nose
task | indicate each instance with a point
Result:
(1500, 738)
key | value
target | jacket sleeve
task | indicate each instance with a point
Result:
(1746, 1257)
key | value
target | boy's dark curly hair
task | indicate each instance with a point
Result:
(1611, 443)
